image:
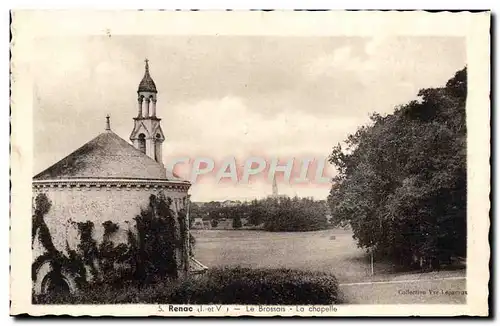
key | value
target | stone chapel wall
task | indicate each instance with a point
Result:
(119, 205)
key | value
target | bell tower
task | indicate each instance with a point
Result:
(147, 135)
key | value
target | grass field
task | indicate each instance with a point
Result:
(332, 251)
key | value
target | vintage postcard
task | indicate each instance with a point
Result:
(277, 163)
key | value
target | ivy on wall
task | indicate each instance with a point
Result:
(59, 263)
(184, 231)
(155, 241)
(42, 207)
(192, 244)
(87, 248)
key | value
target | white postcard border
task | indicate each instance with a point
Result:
(28, 25)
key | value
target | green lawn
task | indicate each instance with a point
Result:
(332, 251)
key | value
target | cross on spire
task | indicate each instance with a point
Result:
(147, 64)
(108, 126)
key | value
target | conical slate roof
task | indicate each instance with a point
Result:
(106, 156)
(147, 84)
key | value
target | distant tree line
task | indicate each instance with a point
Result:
(271, 214)
(402, 179)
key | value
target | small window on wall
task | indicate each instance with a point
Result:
(142, 143)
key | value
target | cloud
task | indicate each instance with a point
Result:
(339, 62)
(228, 126)
(384, 72)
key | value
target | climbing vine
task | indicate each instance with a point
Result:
(42, 207)
(59, 263)
(111, 256)
(184, 231)
(192, 244)
(109, 229)
(183, 226)
(155, 241)
(87, 248)
(75, 264)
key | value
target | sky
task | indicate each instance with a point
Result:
(232, 96)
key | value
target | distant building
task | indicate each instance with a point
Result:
(230, 203)
(224, 224)
(200, 223)
(244, 221)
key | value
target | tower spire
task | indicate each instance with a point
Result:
(147, 135)
(275, 187)
(147, 84)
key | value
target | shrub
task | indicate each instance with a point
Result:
(258, 286)
(218, 286)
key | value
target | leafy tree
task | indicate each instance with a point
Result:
(256, 212)
(294, 214)
(402, 179)
(297, 214)
(195, 211)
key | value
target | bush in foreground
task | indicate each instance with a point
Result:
(219, 286)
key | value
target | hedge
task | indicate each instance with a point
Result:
(217, 286)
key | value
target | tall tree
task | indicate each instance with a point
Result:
(402, 179)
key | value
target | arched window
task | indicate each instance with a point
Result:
(54, 283)
(142, 143)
